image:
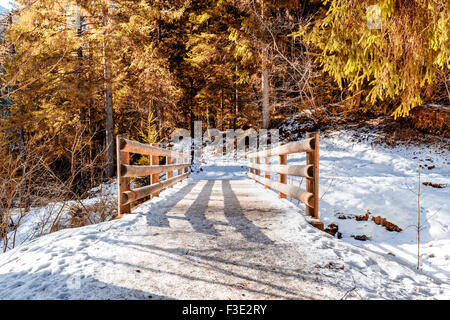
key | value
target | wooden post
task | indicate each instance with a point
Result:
(267, 173)
(248, 162)
(309, 182)
(258, 172)
(282, 178)
(186, 170)
(316, 176)
(155, 177)
(122, 183)
(180, 171)
(170, 173)
(312, 185)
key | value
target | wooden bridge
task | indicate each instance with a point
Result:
(233, 231)
(216, 235)
(258, 162)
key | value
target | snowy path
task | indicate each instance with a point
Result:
(207, 239)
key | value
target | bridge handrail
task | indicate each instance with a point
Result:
(306, 145)
(310, 171)
(142, 148)
(125, 171)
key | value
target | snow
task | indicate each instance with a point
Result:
(157, 254)
(39, 220)
(359, 176)
(223, 170)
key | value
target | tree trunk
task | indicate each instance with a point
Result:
(109, 128)
(25, 197)
(265, 93)
(265, 85)
(236, 100)
(221, 109)
(162, 119)
(80, 56)
(191, 119)
(22, 150)
(232, 109)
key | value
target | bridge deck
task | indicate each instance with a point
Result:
(223, 239)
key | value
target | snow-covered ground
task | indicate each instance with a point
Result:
(38, 221)
(356, 176)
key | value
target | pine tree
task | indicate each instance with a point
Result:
(394, 62)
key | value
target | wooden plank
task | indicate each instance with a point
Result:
(306, 145)
(123, 183)
(142, 171)
(139, 193)
(297, 170)
(287, 189)
(130, 146)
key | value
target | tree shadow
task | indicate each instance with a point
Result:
(258, 274)
(158, 218)
(50, 285)
(196, 214)
(235, 216)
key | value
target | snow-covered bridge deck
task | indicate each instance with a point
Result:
(222, 239)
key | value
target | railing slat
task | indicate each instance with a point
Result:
(129, 171)
(287, 189)
(126, 145)
(139, 193)
(297, 170)
(306, 145)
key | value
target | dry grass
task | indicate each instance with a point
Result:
(30, 182)
(80, 215)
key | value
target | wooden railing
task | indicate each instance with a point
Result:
(310, 171)
(125, 171)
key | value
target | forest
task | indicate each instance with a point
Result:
(77, 73)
